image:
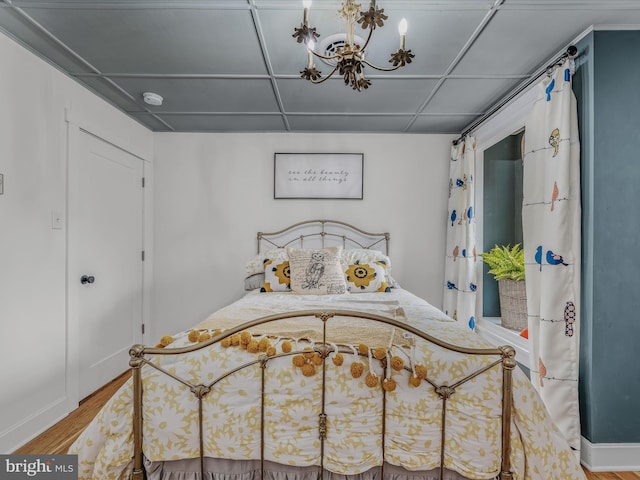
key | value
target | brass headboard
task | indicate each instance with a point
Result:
(323, 233)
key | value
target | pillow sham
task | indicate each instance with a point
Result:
(367, 277)
(317, 271)
(256, 264)
(276, 276)
(364, 255)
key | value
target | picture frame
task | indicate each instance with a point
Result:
(318, 176)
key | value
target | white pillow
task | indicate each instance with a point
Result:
(317, 271)
(364, 255)
(256, 264)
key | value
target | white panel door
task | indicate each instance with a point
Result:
(107, 263)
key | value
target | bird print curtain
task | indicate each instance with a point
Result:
(460, 260)
(551, 236)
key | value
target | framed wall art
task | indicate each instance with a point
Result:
(318, 175)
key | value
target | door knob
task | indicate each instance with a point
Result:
(84, 279)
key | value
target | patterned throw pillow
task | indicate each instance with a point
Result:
(367, 277)
(364, 256)
(317, 271)
(276, 276)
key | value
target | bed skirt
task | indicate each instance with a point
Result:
(223, 469)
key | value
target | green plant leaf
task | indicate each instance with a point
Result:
(505, 262)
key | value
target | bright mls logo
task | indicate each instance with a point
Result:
(54, 467)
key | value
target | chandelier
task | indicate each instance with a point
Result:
(349, 58)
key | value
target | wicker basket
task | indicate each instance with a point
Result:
(513, 304)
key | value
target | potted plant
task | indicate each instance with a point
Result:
(507, 267)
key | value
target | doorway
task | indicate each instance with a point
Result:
(105, 274)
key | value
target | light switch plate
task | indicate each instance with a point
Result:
(56, 220)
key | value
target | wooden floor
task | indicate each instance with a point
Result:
(58, 438)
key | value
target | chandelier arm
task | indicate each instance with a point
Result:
(367, 40)
(326, 57)
(382, 69)
(326, 77)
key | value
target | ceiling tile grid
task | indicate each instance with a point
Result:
(233, 65)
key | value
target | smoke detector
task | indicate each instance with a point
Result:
(152, 98)
(329, 46)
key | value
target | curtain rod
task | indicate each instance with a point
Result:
(571, 52)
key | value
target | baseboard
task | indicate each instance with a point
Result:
(28, 428)
(610, 457)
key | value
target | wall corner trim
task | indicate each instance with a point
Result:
(610, 457)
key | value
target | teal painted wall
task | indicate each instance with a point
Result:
(607, 86)
(502, 209)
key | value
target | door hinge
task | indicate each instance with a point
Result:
(143, 328)
(142, 256)
(142, 182)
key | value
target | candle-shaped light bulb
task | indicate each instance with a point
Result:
(307, 5)
(310, 46)
(402, 28)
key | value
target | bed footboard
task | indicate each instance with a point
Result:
(320, 355)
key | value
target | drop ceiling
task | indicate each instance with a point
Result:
(233, 66)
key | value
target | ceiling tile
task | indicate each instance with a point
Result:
(468, 96)
(225, 123)
(518, 40)
(205, 94)
(158, 40)
(434, 36)
(347, 123)
(441, 123)
(384, 95)
(286, 56)
(35, 39)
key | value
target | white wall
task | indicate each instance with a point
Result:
(33, 158)
(214, 192)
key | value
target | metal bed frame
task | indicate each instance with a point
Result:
(141, 356)
(322, 233)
